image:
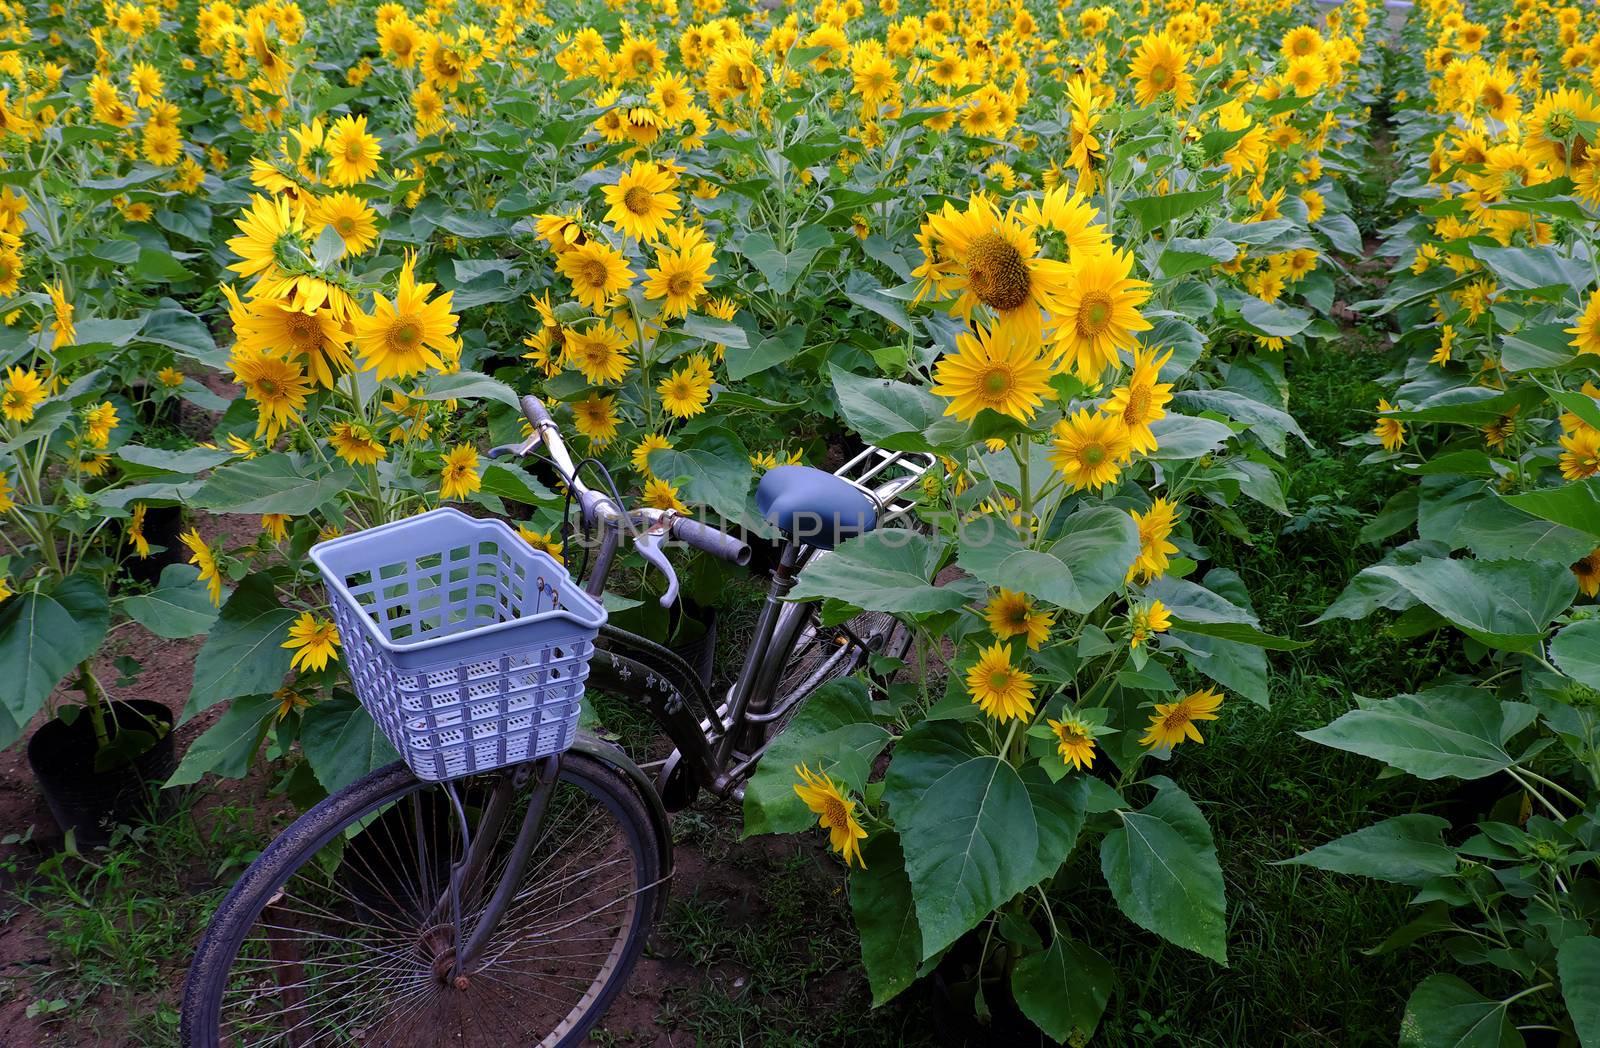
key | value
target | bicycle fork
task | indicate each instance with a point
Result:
(455, 963)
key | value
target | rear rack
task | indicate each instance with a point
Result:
(886, 477)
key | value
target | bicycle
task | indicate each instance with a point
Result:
(508, 908)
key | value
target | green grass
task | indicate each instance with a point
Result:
(121, 923)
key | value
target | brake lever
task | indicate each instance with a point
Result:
(649, 547)
(520, 450)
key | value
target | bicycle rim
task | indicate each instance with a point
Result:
(348, 939)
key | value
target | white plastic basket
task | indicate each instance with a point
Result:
(468, 646)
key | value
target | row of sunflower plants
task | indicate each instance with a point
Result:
(1099, 366)
(1494, 412)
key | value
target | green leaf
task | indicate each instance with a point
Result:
(180, 606)
(1182, 255)
(886, 917)
(189, 460)
(1077, 571)
(771, 351)
(1407, 849)
(783, 270)
(1162, 868)
(1342, 233)
(1153, 211)
(181, 330)
(1453, 730)
(1445, 1012)
(1058, 812)
(1533, 269)
(892, 415)
(1575, 505)
(273, 483)
(1576, 651)
(43, 636)
(714, 470)
(1183, 437)
(1503, 603)
(836, 720)
(228, 748)
(1064, 990)
(1578, 963)
(342, 742)
(243, 654)
(467, 385)
(969, 844)
(713, 330)
(891, 570)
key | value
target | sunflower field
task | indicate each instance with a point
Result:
(279, 271)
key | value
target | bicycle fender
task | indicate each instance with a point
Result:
(591, 745)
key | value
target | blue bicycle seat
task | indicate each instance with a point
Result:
(814, 506)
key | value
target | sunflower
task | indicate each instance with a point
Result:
(1587, 568)
(458, 475)
(145, 80)
(1302, 42)
(275, 526)
(686, 391)
(1074, 742)
(1155, 527)
(270, 235)
(998, 369)
(200, 556)
(660, 494)
(98, 422)
(404, 338)
(672, 96)
(1586, 330)
(1012, 614)
(680, 277)
(356, 443)
(1392, 432)
(1000, 689)
(141, 545)
(11, 266)
(277, 385)
(642, 201)
(1099, 310)
(1143, 400)
(312, 336)
(1580, 458)
(597, 272)
(993, 261)
(1146, 622)
(1160, 66)
(1306, 75)
(541, 540)
(353, 153)
(350, 217)
(313, 642)
(23, 392)
(836, 813)
(596, 418)
(1175, 721)
(1552, 130)
(599, 351)
(1089, 450)
(66, 332)
(399, 39)
(640, 455)
(1068, 212)
(162, 146)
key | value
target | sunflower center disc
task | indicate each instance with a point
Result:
(999, 275)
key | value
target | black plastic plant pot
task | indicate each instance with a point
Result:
(162, 526)
(90, 802)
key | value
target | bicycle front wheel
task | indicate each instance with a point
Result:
(343, 932)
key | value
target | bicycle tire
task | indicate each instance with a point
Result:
(363, 804)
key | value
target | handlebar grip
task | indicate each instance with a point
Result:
(534, 410)
(711, 540)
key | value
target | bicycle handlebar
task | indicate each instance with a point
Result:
(702, 537)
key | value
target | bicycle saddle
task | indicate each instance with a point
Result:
(814, 506)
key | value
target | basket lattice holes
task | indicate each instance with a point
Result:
(453, 709)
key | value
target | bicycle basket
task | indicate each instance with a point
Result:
(468, 646)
